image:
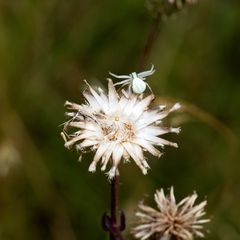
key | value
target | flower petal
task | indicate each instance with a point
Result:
(112, 95)
(117, 154)
(140, 107)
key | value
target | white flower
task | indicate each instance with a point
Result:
(116, 126)
(171, 221)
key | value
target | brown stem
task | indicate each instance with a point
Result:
(152, 36)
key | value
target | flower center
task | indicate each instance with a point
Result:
(116, 129)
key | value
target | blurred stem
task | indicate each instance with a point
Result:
(152, 36)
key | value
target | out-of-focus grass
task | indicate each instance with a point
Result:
(48, 47)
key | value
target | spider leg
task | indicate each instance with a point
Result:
(147, 73)
(149, 87)
(119, 76)
(122, 82)
(125, 84)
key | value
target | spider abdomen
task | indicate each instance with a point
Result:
(138, 85)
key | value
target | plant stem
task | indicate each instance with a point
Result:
(152, 36)
(111, 223)
(114, 204)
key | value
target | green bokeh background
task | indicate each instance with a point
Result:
(47, 48)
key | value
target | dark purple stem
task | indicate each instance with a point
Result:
(114, 204)
(111, 223)
(152, 36)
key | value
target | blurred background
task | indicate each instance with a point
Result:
(47, 48)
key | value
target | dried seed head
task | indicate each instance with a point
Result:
(181, 221)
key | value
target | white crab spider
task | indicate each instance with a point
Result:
(135, 80)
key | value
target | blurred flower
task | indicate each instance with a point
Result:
(171, 221)
(165, 8)
(179, 3)
(116, 126)
(9, 157)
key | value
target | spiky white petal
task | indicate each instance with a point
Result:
(117, 126)
(182, 221)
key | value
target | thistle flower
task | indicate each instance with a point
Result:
(171, 221)
(116, 126)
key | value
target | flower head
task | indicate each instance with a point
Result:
(116, 126)
(180, 221)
